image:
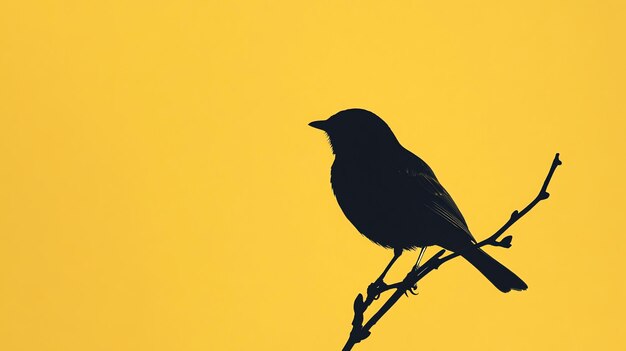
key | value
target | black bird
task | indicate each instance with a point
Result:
(393, 197)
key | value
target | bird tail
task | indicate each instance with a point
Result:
(500, 276)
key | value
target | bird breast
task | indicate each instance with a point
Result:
(368, 197)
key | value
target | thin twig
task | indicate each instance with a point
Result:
(361, 331)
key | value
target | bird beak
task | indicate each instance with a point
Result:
(319, 125)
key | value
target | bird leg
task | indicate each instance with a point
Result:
(379, 286)
(419, 258)
(413, 289)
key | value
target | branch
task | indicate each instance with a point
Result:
(361, 331)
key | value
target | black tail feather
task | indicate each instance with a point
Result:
(500, 276)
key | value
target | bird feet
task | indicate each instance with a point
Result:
(412, 290)
(376, 288)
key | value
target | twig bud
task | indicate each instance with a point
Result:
(506, 241)
(359, 305)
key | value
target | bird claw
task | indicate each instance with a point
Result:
(412, 290)
(376, 288)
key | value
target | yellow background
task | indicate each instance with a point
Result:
(161, 190)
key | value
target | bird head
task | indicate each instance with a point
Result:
(357, 132)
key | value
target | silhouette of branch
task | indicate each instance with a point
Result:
(361, 331)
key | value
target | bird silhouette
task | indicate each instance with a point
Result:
(394, 198)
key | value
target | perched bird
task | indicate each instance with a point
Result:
(394, 199)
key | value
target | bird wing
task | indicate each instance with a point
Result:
(422, 181)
